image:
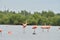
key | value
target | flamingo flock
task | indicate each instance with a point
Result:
(33, 27)
(9, 32)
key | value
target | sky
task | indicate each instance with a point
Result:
(30, 5)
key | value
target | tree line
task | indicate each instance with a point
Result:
(39, 18)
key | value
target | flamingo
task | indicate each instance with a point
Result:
(58, 29)
(9, 32)
(34, 28)
(0, 30)
(46, 27)
(24, 26)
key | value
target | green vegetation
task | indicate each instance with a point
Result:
(39, 18)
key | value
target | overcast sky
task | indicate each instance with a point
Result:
(30, 5)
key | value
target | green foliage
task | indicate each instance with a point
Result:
(46, 17)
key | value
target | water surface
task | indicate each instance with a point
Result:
(17, 33)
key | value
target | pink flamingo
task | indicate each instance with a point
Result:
(58, 29)
(9, 32)
(46, 27)
(34, 27)
(0, 30)
(24, 26)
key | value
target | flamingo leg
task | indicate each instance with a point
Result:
(0, 33)
(48, 30)
(34, 32)
(42, 30)
(23, 30)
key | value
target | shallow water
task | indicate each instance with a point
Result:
(19, 34)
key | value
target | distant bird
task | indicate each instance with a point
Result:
(9, 32)
(59, 28)
(46, 27)
(0, 30)
(24, 26)
(34, 28)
